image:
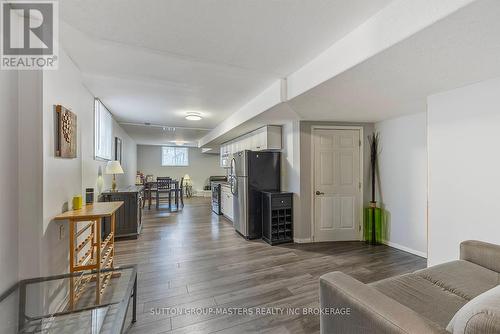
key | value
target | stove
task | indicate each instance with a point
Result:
(216, 197)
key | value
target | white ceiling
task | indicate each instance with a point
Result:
(154, 60)
(158, 135)
(461, 49)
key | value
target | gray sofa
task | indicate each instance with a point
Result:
(459, 297)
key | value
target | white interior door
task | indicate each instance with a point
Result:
(337, 184)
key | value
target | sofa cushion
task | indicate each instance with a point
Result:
(480, 315)
(462, 278)
(482, 253)
(422, 296)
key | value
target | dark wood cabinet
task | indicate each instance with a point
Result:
(277, 217)
(129, 217)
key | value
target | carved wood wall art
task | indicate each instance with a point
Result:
(65, 133)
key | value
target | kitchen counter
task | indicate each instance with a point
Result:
(127, 189)
(222, 183)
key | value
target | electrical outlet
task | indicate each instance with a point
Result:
(61, 231)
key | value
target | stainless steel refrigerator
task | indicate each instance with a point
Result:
(251, 172)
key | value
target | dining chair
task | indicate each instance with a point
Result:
(149, 188)
(179, 194)
(163, 186)
(182, 191)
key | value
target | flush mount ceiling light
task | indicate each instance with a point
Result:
(193, 116)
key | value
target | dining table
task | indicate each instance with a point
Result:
(150, 186)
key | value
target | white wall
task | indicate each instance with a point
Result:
(29, 242)
(64, 178)
(129, 157)
(90, 167)
(464, 168)
(30, 173)
(403, 181)
(201, 165)
(8, 178)
(290, 168)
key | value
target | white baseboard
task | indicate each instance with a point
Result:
(388, 243)
(302, 241)
(406, 249)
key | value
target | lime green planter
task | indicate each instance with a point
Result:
(379, 225)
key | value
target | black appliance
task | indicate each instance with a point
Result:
(252, 172)
(216, 198)
(214, 179)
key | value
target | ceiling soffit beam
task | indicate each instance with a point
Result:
(272, 96)
(396, 22)
(393, 24)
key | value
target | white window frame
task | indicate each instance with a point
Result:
(174, 148)
(103, 147)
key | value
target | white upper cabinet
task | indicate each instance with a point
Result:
(225, 156)
(265, 138)
(259, 140)
(235, 147)
(246, 142)
(273, 138)
(231, 148)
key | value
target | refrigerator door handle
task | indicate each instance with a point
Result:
(233, 181)
(234, 185)
(232, 169)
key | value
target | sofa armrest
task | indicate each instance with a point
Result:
(481, 253)
(360, 308)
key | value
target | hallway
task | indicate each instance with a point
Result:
(195, 259)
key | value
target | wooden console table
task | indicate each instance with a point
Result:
(97, 253)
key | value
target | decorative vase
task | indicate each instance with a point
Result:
(77, 202)
(374, 140)
(368, 223)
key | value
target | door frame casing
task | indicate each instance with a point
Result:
(313, 172)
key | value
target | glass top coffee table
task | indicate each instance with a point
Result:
(43, 305)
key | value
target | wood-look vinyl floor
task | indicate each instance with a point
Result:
(194, 259)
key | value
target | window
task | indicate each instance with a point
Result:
(174, 156)
(103, 131)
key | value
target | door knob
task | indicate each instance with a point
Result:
(319, 192)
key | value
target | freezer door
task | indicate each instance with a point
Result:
(240, 205)
(264, 171)
(240, 163)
